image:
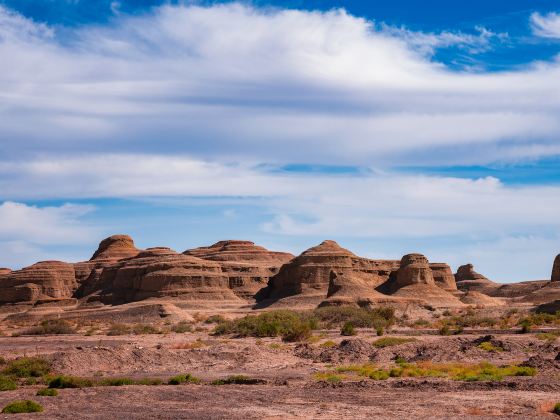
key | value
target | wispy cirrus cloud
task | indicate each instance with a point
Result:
(546, 25)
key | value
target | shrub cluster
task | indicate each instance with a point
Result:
(391, 341)
(27, 367)
(51, 326)
(237, 380)
(22, 406)
(183, 379)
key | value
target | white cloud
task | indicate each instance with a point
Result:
(546, 26)
(323, 87)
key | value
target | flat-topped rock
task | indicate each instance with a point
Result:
(468, 279)
(43, 280)
(556, 269)
(239, 251)
(160, 273)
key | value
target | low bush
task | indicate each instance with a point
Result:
(215, 319)
(118, 329)
(26, 367)
(51, 326)
(327, 344)
(182, 327)
(61, 382)
(22, 406)
(7, 384)
(328, 377)
(47, 392)
(548, 336)
(117, 382)
(183, 379)
(145, 329)
(391, 341)
(348, 329)
(332, 316)
(289, 325)
(488, 346)
(237, 380)
(556, 409)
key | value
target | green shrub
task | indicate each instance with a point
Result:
(149, 381)
(117, 382)
(51, 326)
(347, 329)
(421, 323)
(183, 379)
(525, 326)
(7, 384)
(380, 331)
(22, 406)
(61, 382)
(488, 346)
(299, 331)
(391, 341)
(548, 336)
(47, 392)
(26, 367)
(288, 324)
(332, 316)
(182, 327)
(556, 409)
(144, 329)
(445, 330)
(237, 380)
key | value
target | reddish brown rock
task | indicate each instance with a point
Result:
(110, 250)
(481, 300)
(247, 266)
(4, 271)
(443, 276)
(239, 251)
(556, 269)
(306, 278)
(468, 279)
(414, 280)
(161, 272)
(46, 280)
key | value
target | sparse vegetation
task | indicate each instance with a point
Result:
(391, 341)
(183, 379)
(215, 319)
(237, 380)
(454, 371)
(328, 377)
(348, 329)
(488, 346)
(332, 316)
(7, 384)
(182, 327)
(61, 382)
(327, 344)
(22, 406)
(51, 326)
(548, 336)
(118, 329)
(556, 409)
(26, 367)
(47, 392)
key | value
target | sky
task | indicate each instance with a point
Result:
(389, 126)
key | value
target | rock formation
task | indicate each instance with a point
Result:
(481, 300)
(307, 277)
(556, 269)
(468, 279)
(247, 266)
(161, 272)
(414, 280)
(4, 271)
(110, 250)
(443, 276)
(46, 280)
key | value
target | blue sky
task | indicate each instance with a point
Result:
(391, 127)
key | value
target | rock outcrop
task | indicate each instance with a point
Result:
(247, 266)
(161, 272)
(481, 300)
(443, 276)
(307, 277)
(4, 271)
(110, 250)
(46, 280)
(556, 270)
(468, 279)
(414, 280)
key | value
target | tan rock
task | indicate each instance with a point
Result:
(247, 266)
(443, 276)
(480, 299)
(161, 272)
(44, 280)
(468, 279)
(415, 280)
(308, 275)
